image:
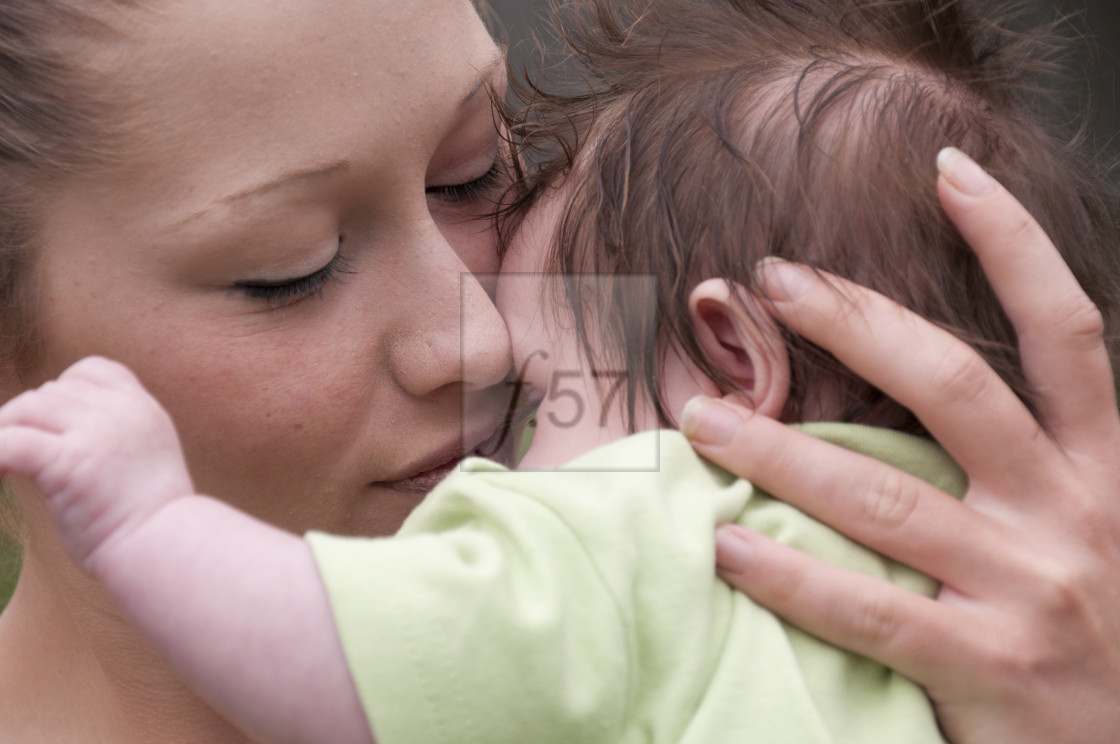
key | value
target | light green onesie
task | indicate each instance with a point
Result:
(582, 606)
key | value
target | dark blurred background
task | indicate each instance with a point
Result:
(1098, 74)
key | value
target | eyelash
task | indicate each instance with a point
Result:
(289, 291)
(483, 186)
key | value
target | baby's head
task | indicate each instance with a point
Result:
(722, 132)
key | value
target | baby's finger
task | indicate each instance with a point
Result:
(1060, 331)
(26, 451)
(871, 502)
(58, 405)
(101, 371)
(911, 634)
(960, 399)
(35, 408)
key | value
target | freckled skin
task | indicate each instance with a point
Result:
(290, 413)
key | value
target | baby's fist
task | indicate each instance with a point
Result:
(100, 449)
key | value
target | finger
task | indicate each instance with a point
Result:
(101, 372)
(947, 385)
(914, 635)
(1060, 331)
(26, 451)
(34, 408)
(873, 503)
(54, 407)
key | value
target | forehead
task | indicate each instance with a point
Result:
(231, 49)
(263, 85)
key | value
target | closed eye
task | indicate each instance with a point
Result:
(286, 292)
(485, 186)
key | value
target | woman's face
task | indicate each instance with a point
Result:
(280, 258)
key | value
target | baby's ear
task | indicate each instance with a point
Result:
(742, 340)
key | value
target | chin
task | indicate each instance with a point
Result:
(380, 513)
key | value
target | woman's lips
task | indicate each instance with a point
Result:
(431, 470)
(423, 482)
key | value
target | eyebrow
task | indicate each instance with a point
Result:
(272, 184)
(486, 75)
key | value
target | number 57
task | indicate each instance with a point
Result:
(557, 391)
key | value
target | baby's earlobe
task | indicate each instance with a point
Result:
(740, 339)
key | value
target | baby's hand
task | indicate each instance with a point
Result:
(101, 450)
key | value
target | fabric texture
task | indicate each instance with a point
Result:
(582, 606)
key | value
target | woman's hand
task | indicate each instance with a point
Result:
(1023, 643)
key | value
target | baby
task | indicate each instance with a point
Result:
(579, 604)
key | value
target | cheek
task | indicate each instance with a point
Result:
(283, 427)
(221, 397)
(530, 247)
(276, 423)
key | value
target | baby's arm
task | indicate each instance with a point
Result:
(236, 605)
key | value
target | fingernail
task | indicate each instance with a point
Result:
(782, 280)
(733, 553)
(706, 421)
(963, 173)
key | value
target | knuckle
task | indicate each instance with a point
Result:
(786, 589)
(46, 393)
(1025, 230)
(1007, 657)
(1085, 518)
(1065, 591)
(1022, 657)
(1049, 633)
(851, 304)
(82, 369)
(875, 618)
(766, 453)
(838, 304)
(1080, 322)
(962, 376)
(891, 501)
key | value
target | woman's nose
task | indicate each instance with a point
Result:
(456, 337)
(485, 345)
